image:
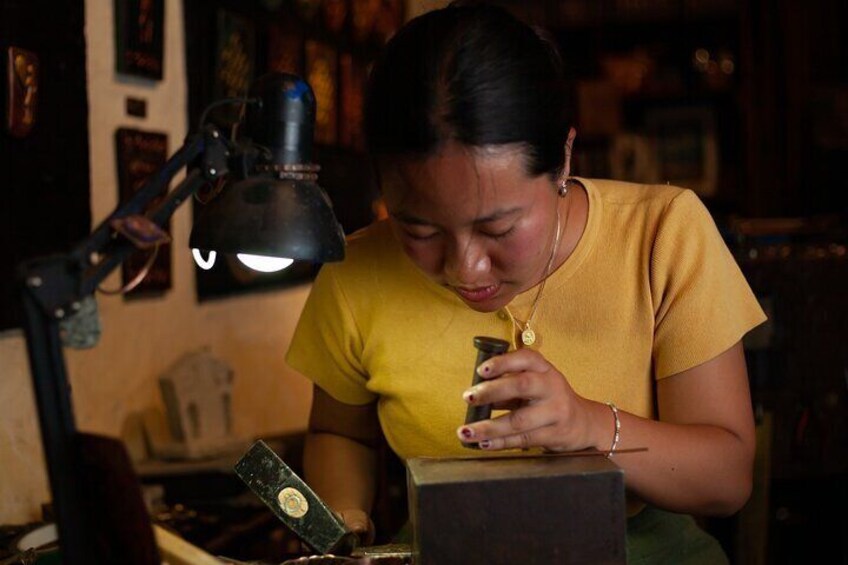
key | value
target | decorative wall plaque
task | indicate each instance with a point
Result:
(321, 67)
(139, 26)
(285, 48)
(21, 91)
(235, 54)
(352, 75)
(141, 154)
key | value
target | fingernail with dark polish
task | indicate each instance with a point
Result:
(467, 433)
(485, 444)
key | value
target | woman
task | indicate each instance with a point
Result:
(624, 307)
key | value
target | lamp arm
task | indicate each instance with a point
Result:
(52, 288)
(59, 283)
(115, 252)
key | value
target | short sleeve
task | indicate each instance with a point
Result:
(702, 302)
(327, 345)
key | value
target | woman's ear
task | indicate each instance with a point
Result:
(569, 143)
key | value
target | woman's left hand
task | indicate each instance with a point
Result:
(544, 411)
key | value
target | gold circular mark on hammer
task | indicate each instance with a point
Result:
(293, 502)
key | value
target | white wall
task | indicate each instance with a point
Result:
(140, 339)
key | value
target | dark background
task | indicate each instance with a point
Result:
(44, 200)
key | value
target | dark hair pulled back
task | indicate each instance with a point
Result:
(470, 73)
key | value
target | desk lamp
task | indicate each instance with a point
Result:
(267, 205)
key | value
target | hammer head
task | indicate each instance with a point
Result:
(293, 502)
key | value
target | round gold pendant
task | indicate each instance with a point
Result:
(528, 337)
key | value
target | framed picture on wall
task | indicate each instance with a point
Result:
(363, 18)
(141, 154)
(285, 47)
(334, 15)
(321, 74)
(139, 32)
(235, 56)
(352, 76)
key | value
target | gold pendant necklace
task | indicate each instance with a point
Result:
(528, 336)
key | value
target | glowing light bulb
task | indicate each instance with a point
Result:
(204, 264)
(263, 263)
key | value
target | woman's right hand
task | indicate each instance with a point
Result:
(359, 523)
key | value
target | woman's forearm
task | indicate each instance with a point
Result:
(340, 470)
(700, 456)
(692, 468)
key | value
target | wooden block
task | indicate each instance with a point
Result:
(545, 509)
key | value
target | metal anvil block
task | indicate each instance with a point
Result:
(545, 509)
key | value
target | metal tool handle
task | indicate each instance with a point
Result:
(487, 347)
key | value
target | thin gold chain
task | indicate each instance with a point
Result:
(526, 326)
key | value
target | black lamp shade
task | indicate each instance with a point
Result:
(272, 217)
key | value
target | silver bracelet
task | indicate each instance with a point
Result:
(617, 434)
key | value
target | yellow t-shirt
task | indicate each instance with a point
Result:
(649, 291)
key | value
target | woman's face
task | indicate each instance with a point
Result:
(473, 220)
